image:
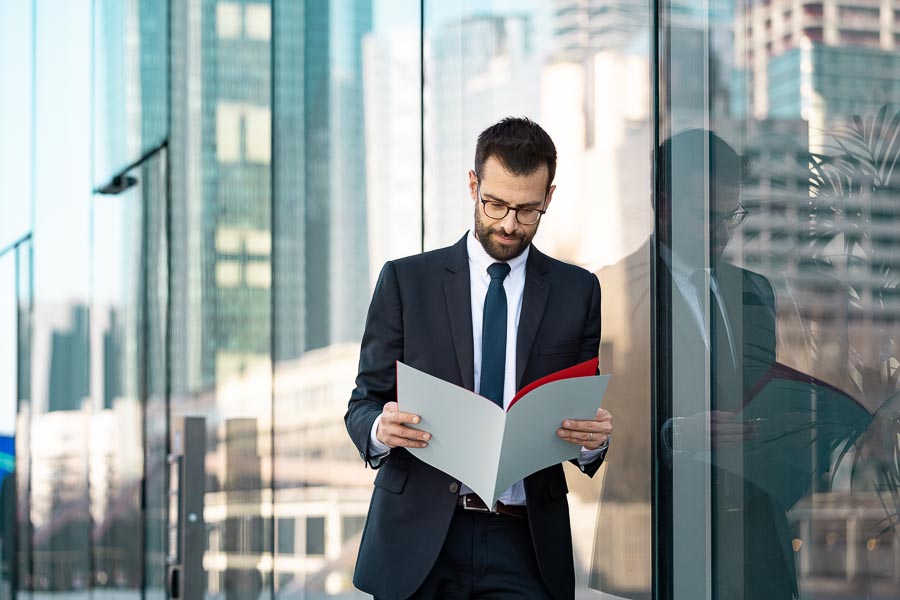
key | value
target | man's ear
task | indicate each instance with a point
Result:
(473, 185)
(549, 197)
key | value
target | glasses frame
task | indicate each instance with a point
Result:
(734, 219)
(541, 211)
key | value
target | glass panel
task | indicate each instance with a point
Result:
(24, 554)
(582, 71)
(347, 198)
(60, 409)
(8, 402)
(221, 244)
(782, 202)
(131, 68)
(156, 257)
(117, 353)
(16, 148)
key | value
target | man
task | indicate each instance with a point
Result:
(491, 314)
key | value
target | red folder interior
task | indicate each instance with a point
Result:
(586, 369)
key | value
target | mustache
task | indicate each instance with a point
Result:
(517, 236)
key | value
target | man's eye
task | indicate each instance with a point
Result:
(497, 205)
(528, 213)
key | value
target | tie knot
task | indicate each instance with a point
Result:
(498, 271)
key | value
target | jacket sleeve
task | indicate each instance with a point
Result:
(590, 336)
(590, 347)
(381, 348)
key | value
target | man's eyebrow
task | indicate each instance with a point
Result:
(502, 201)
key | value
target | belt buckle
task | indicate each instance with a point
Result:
(475, 508)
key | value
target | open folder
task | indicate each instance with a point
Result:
(487, 448)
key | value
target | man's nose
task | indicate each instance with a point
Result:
(509, 223)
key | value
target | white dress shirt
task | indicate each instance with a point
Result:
(514, 286)
(682, 275)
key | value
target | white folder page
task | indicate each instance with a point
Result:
(486, 448)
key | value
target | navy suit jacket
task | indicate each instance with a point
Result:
(421, 314)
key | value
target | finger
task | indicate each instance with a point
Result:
(603, 415)
(390, 407)
(594, 426)
(394, 441)
(401, 417)
(408, 433)
(584, 438)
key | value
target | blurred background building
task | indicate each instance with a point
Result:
(197, 196)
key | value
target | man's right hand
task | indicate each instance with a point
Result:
(393, 432)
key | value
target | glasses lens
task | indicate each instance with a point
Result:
(495, 210)
(735, 219)
(528, 216)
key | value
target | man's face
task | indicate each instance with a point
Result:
(506, 238)
(724, 202)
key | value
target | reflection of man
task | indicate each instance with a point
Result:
(740, 339)
(753, 557)
(492, 314)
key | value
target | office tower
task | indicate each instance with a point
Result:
(68, 384)
(803, 74)
(320, 177)
(317, 204)
(583, 28)
(817, 59)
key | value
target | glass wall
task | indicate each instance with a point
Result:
(197, 198)
(130, 82)
(583, 73)
(347, 138)
(778, 210)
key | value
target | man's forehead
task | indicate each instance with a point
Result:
(495, 173)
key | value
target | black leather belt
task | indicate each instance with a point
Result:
(473, 502)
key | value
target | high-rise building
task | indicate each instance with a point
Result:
(233, 91)
(816, 59)
(319, 204)
(584, 27)
(803, 73)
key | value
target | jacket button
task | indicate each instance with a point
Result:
(454, 487)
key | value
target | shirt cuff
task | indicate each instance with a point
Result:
(589, 456)
(377, 449)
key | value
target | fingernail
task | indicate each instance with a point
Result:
(559, 432)
(567, 423)
(427, 436)
(415, 419)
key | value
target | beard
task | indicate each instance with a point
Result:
(495, 249)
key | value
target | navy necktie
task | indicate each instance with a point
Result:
(493, 336)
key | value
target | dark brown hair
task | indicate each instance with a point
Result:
(519, 144)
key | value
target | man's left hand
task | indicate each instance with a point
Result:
(590, 434)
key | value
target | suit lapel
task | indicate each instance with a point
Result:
(534, 301)
(458, 295)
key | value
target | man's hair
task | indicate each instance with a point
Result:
(700, 151)
(519, 144)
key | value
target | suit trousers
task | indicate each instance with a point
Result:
(485, 556)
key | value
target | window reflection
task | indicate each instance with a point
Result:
(809, 394)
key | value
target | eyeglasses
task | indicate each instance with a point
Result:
(735, 217)
(498, 210)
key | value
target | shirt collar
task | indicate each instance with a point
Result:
(681, 271)
(482, 260)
